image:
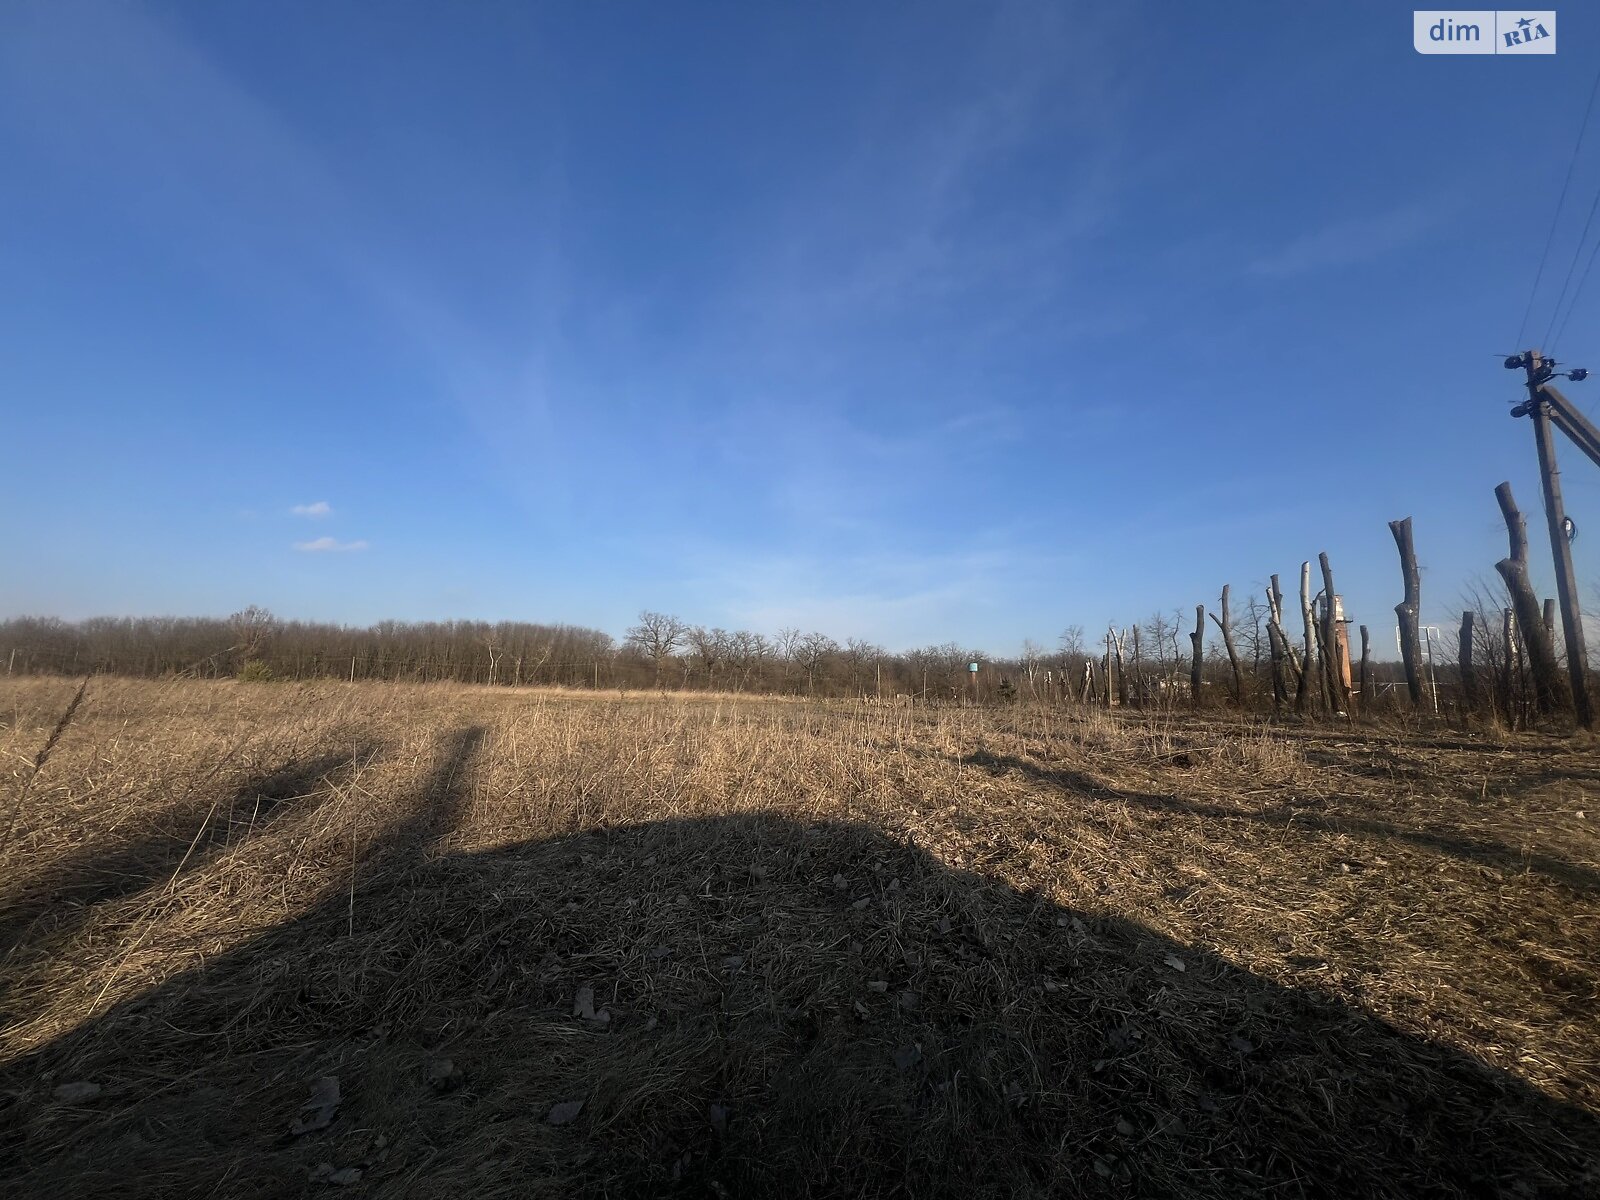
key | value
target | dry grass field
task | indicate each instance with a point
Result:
(570, 944)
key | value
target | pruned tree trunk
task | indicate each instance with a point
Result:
(1138, 670)
(1278, 644)
(1122, 673)
(1324, 683)
(1408, 609)
(1197, 639)
(1225, 623)
(1533, 623)
(1550, 620)
(1107, 664)
(1509, 670)
(1332, 651)
(1303, 689)
(1469, 676)
(1366, 670)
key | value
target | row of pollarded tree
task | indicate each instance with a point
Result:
(1505, 654)
(1307, 674)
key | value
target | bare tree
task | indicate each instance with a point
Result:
(1534, 626)
(710, 649)
(1072, 656)
(920, 663)
(1496, 647)
(787, 642)
(1197, 639)
(747, 652)
(657, 636)
(1278, 644)
(1160, 631)
(1332, 658)
(1175, 633)
(1250, 636)
(1032, 657)
(252, 629)
(1303, 690)
(1225, 624)
(1469, 675)
(859, 655)
(1073, 651)
(1409, 608)
(495, 653)
(1367, 695)
(814, 650)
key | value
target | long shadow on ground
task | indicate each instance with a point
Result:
(1477, 850)
(772, 1008)
(184, 836)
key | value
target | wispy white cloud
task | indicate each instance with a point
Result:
(319, 508)
(325, 544)
(858, 334)
(1354, 240)
(909, 221)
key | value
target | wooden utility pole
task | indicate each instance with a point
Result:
(1540, 398)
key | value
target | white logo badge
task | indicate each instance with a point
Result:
(1484, 31)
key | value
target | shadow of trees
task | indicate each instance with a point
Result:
(779, 1008)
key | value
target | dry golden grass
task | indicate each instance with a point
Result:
(828, 949)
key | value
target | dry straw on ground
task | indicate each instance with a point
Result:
(439, 941)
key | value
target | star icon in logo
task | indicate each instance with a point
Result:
(1524, 23)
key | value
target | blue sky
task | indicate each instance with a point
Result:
(914, 322)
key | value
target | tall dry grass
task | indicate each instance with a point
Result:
(217, 893)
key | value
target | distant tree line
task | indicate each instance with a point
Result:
(254, 644)
(1503, 659)
(659, 651)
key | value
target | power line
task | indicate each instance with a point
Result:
(1576, 254)
(1578, 291)
(1555, 219)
